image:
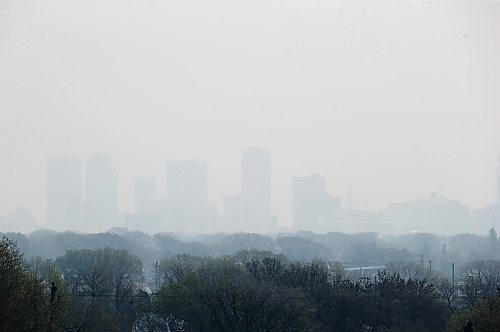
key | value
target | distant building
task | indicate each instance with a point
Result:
(22, 221)
(187, 183)
(434, 213)
(101, 194)
(187, 208)
(256, 187)
(486, 218)
(312, 208)
(235, 213)
(348, 201)
(144, 194)
(489, 216)
(147, 217)
(64, 193)
(251, 209)
(498, 181)
(256, 177)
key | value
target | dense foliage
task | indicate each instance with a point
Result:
(110, 289)
(269, 295)
(23, 305)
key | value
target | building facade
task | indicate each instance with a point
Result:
(64, 193)
(101, 193)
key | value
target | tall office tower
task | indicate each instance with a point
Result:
(187, 183)
(188, 208)
(312, 208)
(144, 194)
(348, 201)
(235, 212)
(147, 217)
(498, 181)
(64, 193)
(101, 193)
(256, 188)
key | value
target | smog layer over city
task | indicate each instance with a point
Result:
(275, 165)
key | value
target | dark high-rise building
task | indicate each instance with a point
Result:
(101, 193)
(64, 193)
(312, 208)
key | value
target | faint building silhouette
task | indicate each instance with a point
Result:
(256, 188)
(348, 201)
(235, 213)
(187, 207)
(64, 193)
(312, 207)
(144, 194)
(489, 216)
(22, 221)
(101, 194)
(498, 180)
(434, 213)
(187, 183)
(251, 209)
(147, 217)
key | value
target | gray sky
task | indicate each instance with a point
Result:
(388, 98)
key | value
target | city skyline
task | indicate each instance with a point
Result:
(283, 212)
(250, 165)
(388, 100)
(92, 206)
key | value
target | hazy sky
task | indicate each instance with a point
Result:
(388, 98)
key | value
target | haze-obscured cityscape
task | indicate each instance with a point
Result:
(82, 196)
(249, 165)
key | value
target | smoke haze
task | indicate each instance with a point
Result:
(387, 100)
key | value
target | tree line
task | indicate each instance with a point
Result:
(355, 249)
(106, 289)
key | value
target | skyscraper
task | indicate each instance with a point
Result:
(312, 208)
(187, 183)
(498, 181)
(101, 193)
(251, 209)
(235, 210)
(144, 194)
(188, 208)
(64, 193)
(256, 187)
(256, 173)
(147, 217)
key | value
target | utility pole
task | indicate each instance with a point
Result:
(422, 260)
(453, 276)
(157, 271)
(430, 266)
